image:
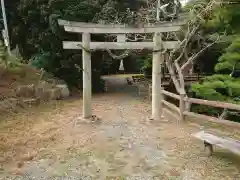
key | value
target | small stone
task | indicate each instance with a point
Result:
(64, 90)
(20, 164)
(174, 172)
(17, 172)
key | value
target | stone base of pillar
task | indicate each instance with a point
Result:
(91, 120)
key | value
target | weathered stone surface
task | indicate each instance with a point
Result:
(44, 85)
(55, 94)
(25, 90)
(8, 104)
(64, 90)
(43, 91)
(51, 94)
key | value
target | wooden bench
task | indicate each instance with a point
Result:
(138, 78)
(210, 140)
(129, 82)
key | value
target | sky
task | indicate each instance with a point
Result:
(183, 2)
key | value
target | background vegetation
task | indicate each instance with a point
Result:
(34, 30)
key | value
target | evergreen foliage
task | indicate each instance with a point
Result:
(223, 86)
(33, 27)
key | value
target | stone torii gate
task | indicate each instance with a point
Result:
(86, 29)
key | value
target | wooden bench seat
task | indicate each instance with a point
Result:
(129, 82)
(138, 78)
(210, 140)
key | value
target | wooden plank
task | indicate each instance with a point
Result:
(87, 78)
(175, 96)
(119, 45)
(201, 117)
(218, 104)
(229, 144)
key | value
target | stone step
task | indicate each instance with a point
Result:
(9, 104)
(25, 90)
(14, 104)
(30, 102)
(43, 91)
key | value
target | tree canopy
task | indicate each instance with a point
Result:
(224, 85)
(34, 29)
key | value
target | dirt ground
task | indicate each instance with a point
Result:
(52, 142)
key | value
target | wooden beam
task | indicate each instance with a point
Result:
(214, 103)
(179, 22)
(118, 30)
(80, 27)
(201, 118)
(87, 77)
(172, 95)
(119, 45)
(171, 106)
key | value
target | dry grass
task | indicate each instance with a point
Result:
(11, 78)
(28, 131)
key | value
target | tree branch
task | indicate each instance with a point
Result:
(191, 59)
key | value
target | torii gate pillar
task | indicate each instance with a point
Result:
(157, 77)
(87, 76)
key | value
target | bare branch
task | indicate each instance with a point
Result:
(191, 59)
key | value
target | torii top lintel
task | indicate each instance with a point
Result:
(80, 27)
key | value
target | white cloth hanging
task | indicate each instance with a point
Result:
(121, 67)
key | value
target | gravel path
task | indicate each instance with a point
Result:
(124, 145)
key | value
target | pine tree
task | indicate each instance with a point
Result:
(223, 86)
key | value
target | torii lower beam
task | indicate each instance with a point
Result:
(119, 45)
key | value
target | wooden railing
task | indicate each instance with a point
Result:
(189, 77)
(184, 112)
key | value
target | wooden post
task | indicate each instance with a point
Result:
(162, 99)
(157, 77)
(87, 76)
(182, 106)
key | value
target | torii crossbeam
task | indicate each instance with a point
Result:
(86, 29)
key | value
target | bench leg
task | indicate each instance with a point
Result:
(208, 148)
